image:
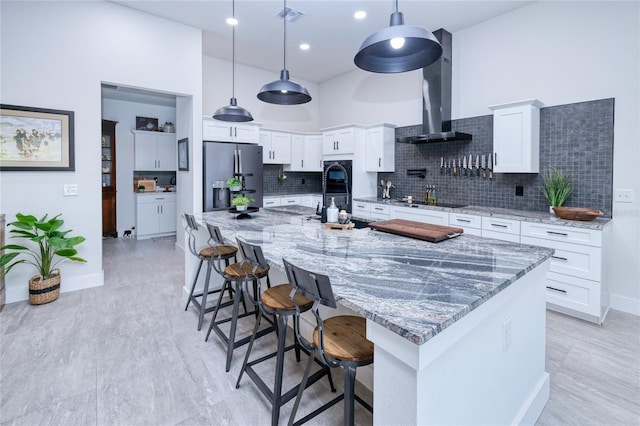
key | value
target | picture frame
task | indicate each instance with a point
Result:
(36, 139)
(146, 123)
(183, 155)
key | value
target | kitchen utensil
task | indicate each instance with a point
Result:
(441, 165)
(478, 165)
(577, 213)
(464, 165)
(490, 167)
(470, 166)
(484, 166)
(455, 169)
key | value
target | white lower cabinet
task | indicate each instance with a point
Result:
(470, 224)
(379, 212)
(156, 215)
(577, 280)
(289, 201)
(501, 229)
(271, 202)
(434, 217)
(361, 210)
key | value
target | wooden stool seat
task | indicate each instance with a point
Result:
(219, 251)
(238, 271)
(276, 298)
(345, 338)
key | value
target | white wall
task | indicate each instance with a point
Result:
(558, 52)
(125, 114)
(216, 91)
(79, 46)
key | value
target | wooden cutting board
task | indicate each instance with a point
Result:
(418, 230)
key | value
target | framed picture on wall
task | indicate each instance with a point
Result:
(36, 139)
(183, 154)
(146, 123)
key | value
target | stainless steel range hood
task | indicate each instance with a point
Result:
(436, 99)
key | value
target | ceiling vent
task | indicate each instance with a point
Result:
(291, 15)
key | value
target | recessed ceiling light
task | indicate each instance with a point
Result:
(232, 21)
(361, 14)
(304, 46)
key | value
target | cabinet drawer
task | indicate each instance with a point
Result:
(501, 236)
(571, 259)
(421, 215)
(590, 237)
(503, 226)
(465, 221)
(573, 293)
(379, 209)
(361, 210)
(271, 202)
(289, 201)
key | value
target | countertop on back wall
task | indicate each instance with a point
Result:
(540, 217)
(292, 195)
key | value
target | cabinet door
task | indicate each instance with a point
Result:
(312, 153)
(380, 152)
(145, 151)
(167, 218)
(247, 133)
(281, 147)
(265, 143)
(298, 149)
(346, 141)
(516, 137)
(166, 151)
(147, 218)
(213, 130)
(329, 143)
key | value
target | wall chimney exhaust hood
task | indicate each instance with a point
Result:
(436, 99)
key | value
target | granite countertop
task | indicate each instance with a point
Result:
(539, 217)
(412, 287)
(291, 195)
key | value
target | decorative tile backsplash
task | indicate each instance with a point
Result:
(575, 138)
(295, 183)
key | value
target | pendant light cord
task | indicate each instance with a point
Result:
(233, 51)
(284, 47)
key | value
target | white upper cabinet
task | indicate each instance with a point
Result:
(276, 147)
(216, 130)
(516, 137)
(306, 153)
(338, 141)
(154, 151)
(380, 149)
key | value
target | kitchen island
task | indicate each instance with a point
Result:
(458, 326)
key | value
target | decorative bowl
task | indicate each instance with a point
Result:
(577, 213)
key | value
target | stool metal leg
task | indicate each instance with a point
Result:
(193, 286)
(303, 385)
(205, 292)
(217, 308)
(349, 374)
(246, 356)
(234, 322)
(277, 388)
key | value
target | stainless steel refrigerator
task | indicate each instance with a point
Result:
(223, 160)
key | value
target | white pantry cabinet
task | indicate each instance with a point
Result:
(516, 137)
(380, 149)
(154, 151)
(276, 147)
(156, 215)
(216, 130)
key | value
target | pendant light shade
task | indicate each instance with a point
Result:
(233, 112)
(284, 91)
(398, 48)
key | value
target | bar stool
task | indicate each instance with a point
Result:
(237, 274)
(215, 251)
(341, 341)
(276, 302)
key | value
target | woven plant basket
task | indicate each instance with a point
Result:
(43, 291)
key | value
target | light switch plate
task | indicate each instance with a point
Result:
(624, 196)
(70, 190)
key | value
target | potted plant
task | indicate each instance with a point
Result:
(556, 187)
(234, 184)
(240, 202)
(53, 246)
(141, 188)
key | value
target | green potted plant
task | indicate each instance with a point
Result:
(52, 246)
(141, 188)
(241, 201)
(234, 184)
(556, 187)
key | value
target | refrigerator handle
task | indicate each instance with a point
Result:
(239, 161)
(235, 161)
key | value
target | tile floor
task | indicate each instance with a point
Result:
(127, 354)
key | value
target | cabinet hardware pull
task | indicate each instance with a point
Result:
(560, 258)
(379, 162)
(230, 131)
(301, 163)
(235, 131)
(378, 208)
(557, 289)
(495, 156)
(562, 234)
(497, 225)
(463, 220)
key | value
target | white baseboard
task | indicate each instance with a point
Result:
(20, 293)
(624, 304)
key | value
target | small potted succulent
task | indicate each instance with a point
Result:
(234, 184)
(141, 188)
(556, 187)
(240, 202)
(48, 243)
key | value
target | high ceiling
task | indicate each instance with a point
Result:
(328, 26)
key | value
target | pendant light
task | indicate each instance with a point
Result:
(284, 91)
(398, 48)
(233, 112)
